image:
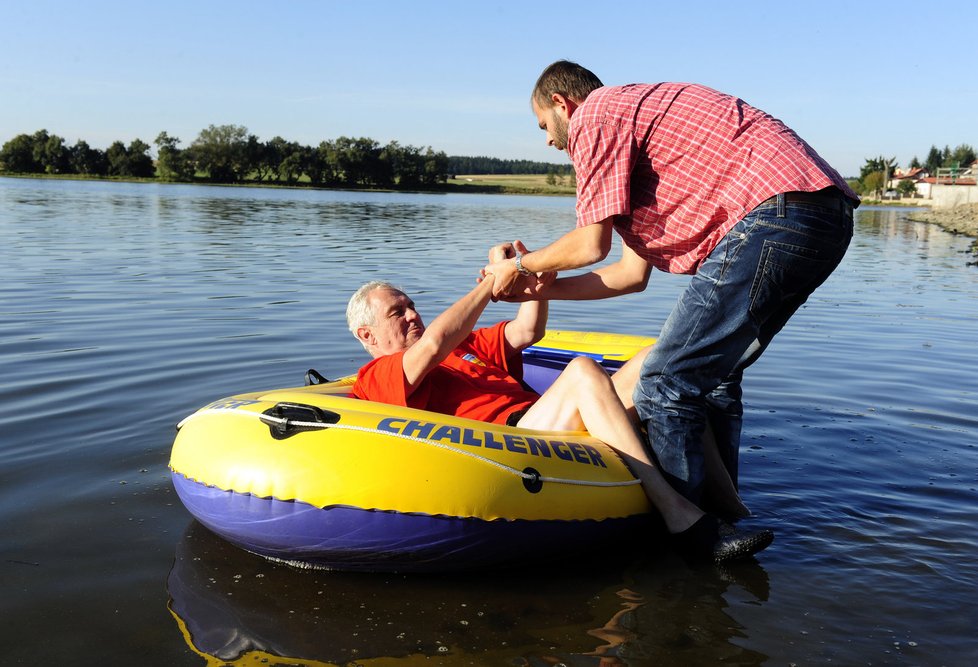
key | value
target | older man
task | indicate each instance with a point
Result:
(449, 368)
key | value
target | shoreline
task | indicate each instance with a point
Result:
(962, 220)
(531, 184)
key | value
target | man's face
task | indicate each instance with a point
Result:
(397, 325)
(554, 121)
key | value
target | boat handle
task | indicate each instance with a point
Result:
(282, 419)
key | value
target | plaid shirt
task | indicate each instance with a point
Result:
(677, 165)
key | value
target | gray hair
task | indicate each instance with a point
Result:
(358, 310)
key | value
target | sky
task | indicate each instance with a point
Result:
(854, 79)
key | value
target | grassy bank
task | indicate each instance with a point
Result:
(526, 184)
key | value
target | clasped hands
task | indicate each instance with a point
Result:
(508, 283)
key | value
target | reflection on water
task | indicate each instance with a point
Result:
(230, 607)
(893, 234)
(125, 307)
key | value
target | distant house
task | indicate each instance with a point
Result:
(917, 175)
(949, 176)
(954, 186)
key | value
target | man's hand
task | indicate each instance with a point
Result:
(503, 268)
(506, 276)
(498, 253)
(531, 287)
(510, 284)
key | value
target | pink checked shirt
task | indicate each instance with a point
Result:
(677, 165)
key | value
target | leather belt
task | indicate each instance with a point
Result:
(830, 198)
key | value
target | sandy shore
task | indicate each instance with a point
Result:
(957, 220)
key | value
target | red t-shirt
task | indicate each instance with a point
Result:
(475, 381)
(678, 164)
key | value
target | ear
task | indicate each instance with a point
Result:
(563, 104)
(365, 336)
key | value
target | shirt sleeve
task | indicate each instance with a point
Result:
(603, 154)
(383, 380)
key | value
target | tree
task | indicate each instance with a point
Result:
(17, 156)
(491, 165)
(87, 160)
(139, 163)
(875, 174)
(293, 162)
(130, 162)
(118, 159)
(962, 156)
(321, 164)
(873, 183)
(934, 161)
(221, 151)
(353, 157)
(172, 163)
(406, 162)
(435, 167)
(276, 149)
(873, 164)
(38, 142)
(256, 155)
(906, 188)
(54, 156)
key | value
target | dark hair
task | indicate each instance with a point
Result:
(564, 78)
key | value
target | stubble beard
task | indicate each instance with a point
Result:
(559, 131)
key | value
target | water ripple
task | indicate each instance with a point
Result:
(125, 307)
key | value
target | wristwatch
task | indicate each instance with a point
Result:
(519, 264)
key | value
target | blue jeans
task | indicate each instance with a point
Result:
(759, 274)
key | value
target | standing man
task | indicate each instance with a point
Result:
(695, 182)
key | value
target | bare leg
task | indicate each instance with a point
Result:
(625, 378)
(583, 396)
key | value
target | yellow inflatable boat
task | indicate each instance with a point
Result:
(312, 476)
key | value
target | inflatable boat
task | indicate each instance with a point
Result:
(314, 477)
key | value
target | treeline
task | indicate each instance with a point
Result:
(458, 164)
(230, 154)
(876, 172)
(961, 156)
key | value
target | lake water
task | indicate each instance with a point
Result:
(124, 307)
